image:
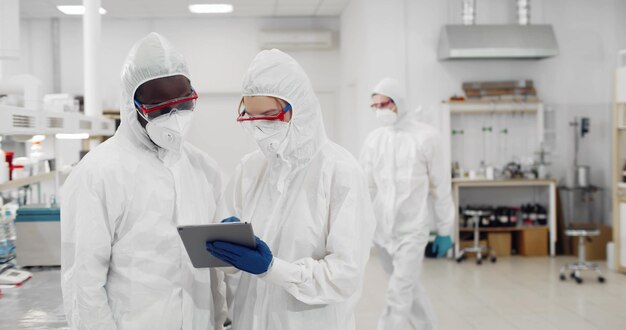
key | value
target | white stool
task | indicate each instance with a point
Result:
(582, 264)
(476, 248)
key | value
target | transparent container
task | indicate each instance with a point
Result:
(7, 237)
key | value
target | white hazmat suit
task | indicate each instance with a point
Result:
(123, 263)
(404, 164)
(309, 202)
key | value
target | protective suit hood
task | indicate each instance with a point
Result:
(150, 58)
(391, 88)
(274, 73)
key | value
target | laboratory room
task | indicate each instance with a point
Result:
(312, 164)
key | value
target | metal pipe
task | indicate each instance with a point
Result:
(523, 12)
(469, 12)
(91, 42)
(55, 30)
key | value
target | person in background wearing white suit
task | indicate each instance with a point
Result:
(404, 163)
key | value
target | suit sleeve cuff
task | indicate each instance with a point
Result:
(282, 273)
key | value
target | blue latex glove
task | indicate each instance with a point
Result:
(231, 219)
(441, 245)
(255, 261)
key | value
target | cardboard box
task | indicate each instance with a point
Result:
(533, 242)
(501, 243)
(596, 249)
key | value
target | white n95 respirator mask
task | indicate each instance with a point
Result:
(268, 134)
(169, 131)
(386, 117)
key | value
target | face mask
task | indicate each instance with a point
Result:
(268, 134)
(386, 117)
(169, 131)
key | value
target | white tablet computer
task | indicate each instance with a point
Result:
(195, 237)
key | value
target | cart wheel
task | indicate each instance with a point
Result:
(579, 280)
(562, 277)
(479, 261)
(493, 260)
(601, 279)
(460, 259)
(572, 275)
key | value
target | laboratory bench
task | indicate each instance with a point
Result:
(527, 240)
(37, 304)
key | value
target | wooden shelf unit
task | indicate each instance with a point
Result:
(551, 185)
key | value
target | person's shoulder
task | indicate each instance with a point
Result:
(198, 156)
(104, 161)
(376, 133)
(424, 133)
(108, 155)
(341, 159)
(373, 139)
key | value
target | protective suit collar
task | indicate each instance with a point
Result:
(276, 74)
(150, 58)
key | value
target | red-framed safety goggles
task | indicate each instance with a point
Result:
(381, 105)
(185, 103)
(243, 115)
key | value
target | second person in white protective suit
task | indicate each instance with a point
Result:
(123, 263)
(308, 202)
(404, 163)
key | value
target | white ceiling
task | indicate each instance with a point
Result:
(178, 8)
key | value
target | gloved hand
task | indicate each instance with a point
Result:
(441, 245)
(255, 261)
(231, 219)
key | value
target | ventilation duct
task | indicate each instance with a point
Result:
(514, 41)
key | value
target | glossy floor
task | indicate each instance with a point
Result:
(514, 293)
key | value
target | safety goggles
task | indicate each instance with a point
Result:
(244, 117)
(381, 105)
(152, 111)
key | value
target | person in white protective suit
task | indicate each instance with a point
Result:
(404, 163)
(308, 202)
(123, 263)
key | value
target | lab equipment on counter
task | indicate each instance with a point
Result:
(4, 171)
(35, 158)
(7, 233)
(579, 175)
(21, 168)
(4, 166)
(61, 103)
(10, 277)
(38, 241)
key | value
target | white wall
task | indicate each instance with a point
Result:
(578, 82)
(218, 51)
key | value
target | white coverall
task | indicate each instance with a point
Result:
(123, 263)
(309, 202)
(404, 164)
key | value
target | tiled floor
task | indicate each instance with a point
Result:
(514, 293)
